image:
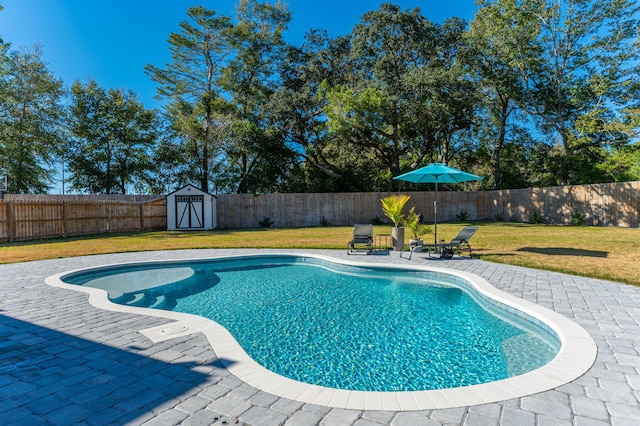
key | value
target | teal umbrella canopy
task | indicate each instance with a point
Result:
(437, 173)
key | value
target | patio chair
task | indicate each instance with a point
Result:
(362, 237)
(460, 242)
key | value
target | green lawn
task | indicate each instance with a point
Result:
(598, 252)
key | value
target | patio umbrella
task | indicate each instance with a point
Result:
(437, 173)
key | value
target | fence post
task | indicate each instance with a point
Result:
(141, 217)
(10, 224)
(108, 216)
(64, 219)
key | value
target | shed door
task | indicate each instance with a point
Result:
(189, 211)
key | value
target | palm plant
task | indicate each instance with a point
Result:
(392, 207)
(413, 221)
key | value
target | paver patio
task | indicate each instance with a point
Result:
(63, 361)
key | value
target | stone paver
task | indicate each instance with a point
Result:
(62, 361)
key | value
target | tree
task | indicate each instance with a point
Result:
(249, 79)
(112, 137)
(575, 60)
(371, 110)
(407, 96)
(218, 84)
(190, 82)
(499, 80)
(297, 108)
(30, 119)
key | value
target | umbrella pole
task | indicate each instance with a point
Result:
(435, 218)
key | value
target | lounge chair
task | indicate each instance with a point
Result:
(362, 236)
(460, 242)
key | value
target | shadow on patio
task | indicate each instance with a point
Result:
(51, 377)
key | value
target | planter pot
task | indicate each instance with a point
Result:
(397, 238)
(417, 243)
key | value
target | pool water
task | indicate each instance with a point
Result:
(355, 328)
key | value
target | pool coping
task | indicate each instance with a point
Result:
(577, 354)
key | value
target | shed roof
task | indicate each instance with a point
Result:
(190, 187)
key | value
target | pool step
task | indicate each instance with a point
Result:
(159, 303)
(121, 298)
(146, 300)
(200, 281)
(138, 299)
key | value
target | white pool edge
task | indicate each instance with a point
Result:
(577, 354)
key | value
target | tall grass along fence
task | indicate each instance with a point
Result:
(27, 217)
(22, 218)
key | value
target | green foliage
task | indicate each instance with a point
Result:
(392, 207)
(536, 218)
(257, 155)
(347, 108)
(574, 64)
(377, 221)
(30, 115)
(406, 97)
(324, 222)
(189, 82)
(499, 81)
(462, 215)
(534, 93)
(623, 164)
(413, 222)
(219, 82)
(266, 222)
(578, 218)
(112, 139)
(296, 109)
(498, 217)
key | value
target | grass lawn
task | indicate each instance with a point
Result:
(598, 252)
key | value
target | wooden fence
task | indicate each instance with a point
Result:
(82, 197)
(607, 204)
(24, 219)
(613, 204)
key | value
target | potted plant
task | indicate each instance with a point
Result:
(413, 222)
(392, 207)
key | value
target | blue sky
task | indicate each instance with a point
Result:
(111, 41)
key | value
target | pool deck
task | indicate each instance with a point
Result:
(64, 361)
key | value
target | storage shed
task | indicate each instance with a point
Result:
(190, 208)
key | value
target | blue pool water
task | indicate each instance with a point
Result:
(355, 328)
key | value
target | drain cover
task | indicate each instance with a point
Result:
(174, 329)
(164, 332)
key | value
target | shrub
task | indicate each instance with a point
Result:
(536, 218)
(413, 221)
(578, 218)
(324, 222)
(377, 221)
(463, 216)
(498, 217)
(266, 222)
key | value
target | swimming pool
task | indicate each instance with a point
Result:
(333, 344)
